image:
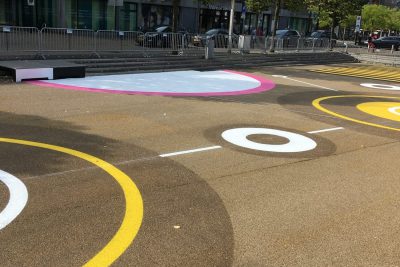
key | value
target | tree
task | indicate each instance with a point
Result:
(263, 5)
(175, 15)
(380, 17)
(335, 11)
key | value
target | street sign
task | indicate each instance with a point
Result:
(358, 24)
(244, 9)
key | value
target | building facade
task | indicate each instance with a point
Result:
(132, 15)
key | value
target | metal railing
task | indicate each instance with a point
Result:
(30, 39)
(61, 39)
(118, 40)
(373, 55)
(23, 39)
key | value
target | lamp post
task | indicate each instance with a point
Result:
(231, 26)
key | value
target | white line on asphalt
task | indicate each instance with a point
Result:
(189, 151)
(315, 85)
(17, 200)
(326, 130)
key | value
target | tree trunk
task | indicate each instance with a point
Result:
(175, 15)
(334, 22)
(278, 4)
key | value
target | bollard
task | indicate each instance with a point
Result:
(209, 49)
(392, 50)
(346, 48)
(313, 45)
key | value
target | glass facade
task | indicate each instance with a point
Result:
(5, 12)
(155, 15)
(128, 17)
(299, 24)
(132, 16)
(256, 24)
(214, 19)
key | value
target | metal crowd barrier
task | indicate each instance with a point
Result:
(118, 40)
(164, 41)
(22, 39)
(30, 39)
(61, 39)
(374, 56)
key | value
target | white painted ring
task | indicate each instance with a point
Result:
(17, 201)
(381, 86)
(297, 142)
(394, 110)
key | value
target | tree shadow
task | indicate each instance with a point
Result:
(71, 215)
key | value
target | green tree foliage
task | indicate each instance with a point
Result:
(262, 5)
(334, 12)
(376, 17)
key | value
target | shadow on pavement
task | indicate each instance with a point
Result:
(70, 216)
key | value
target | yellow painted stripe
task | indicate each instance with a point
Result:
(377, 72)
(133, 203)
(363, 73)
(358, 70)
(317, 104)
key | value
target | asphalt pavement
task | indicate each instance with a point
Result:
(303, 174)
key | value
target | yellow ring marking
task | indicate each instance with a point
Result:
(317, 104)
(381, 109)
(133, 204)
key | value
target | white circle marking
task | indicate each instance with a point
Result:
(394, 110)
(381, 86)
(297, 142)
(17, 200)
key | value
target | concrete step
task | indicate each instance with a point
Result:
(211, 65)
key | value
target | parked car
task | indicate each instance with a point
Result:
(220, 37)
(387, 42)
(287, 38)
(321, 37)
(161, 37)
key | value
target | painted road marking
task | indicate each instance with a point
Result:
(317, 104)
(218, 147)
(133, 203)
(384, 74)
(315, 85)
(189, 151)
(175, 83)
(297, 142)
(394, 110)
(386, 110)
(326, 130)
(381, 86)
(17, 200)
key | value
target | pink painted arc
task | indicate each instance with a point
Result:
(265, 85)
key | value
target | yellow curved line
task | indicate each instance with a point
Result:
(133, 204)
(317, 104)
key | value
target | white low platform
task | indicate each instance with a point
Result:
(42, 69)
(28, 74)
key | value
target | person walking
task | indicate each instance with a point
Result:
(371, 45)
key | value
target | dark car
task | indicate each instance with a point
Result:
(220, 37)
(387, 42)
(162, 37)
(321, 38)
(156, 37)
(281, 34)
(287, 38)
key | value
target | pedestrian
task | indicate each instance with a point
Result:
(371, 44)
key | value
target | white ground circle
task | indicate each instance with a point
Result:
(381, 86)
(17, 200)
(297, 142)
(394, 110)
